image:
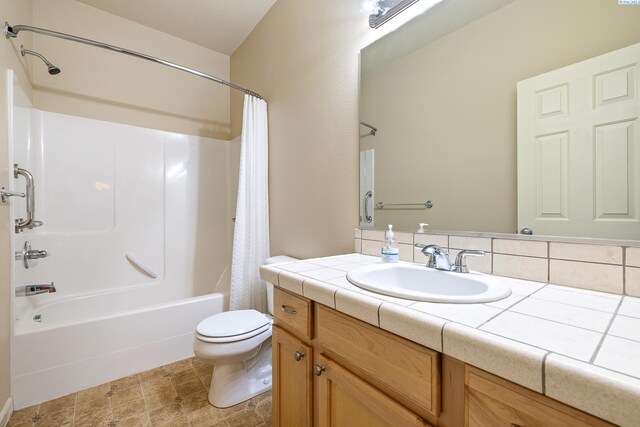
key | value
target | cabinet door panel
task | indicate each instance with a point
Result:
(343, 399)
(400, 368)
(292, 380)
(494, 402)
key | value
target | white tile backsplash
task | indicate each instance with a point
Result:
(475, 243)
(584, 252)
(633, 257)
(521, 267)
(432, 239)
(632, 281)
(600, 277)
(371, 247)
(520, 247)
(522, 258)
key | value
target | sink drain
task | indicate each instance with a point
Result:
(37, 318)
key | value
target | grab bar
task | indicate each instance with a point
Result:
(428, 204)
(30, 200)
(367, 196)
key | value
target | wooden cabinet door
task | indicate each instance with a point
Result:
(292, 380)
(495, 402)
(343, 399)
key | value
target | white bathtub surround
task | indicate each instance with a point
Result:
(161, 198)
(251, 235)
(574, 345)
(6, 412)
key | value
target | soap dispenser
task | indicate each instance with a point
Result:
(390, 248)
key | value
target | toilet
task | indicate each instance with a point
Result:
(238, 345)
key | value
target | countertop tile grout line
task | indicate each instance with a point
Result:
(574, 305)
(558, 322)
(606, 332)
(544, 373)
(442, 336)
(509, 308)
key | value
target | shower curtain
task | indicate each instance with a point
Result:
(251, 235)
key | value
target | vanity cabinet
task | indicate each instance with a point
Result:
(330, 369)
(333, 370)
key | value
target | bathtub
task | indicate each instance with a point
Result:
(82, 342)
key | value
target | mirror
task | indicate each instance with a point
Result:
(442, 93)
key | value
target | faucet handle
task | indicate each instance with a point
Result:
(460, 265)
(430, 252)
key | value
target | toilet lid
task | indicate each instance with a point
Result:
(233, 323)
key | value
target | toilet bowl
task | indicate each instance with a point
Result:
(238, 345)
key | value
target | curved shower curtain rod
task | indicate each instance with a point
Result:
(12, 31)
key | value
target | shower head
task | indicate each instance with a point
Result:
(53, 70)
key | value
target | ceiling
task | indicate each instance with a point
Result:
(220, 25)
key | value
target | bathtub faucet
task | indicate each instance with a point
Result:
(28, 290)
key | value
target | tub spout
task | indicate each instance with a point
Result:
(28, 290)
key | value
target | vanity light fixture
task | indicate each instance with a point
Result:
(381, 11)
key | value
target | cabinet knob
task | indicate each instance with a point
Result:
(298, 355)
(288, 310)
(319, 369)
(515, 425)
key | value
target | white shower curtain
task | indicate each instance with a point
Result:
(251, 235)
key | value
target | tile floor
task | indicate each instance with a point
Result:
(171, 395)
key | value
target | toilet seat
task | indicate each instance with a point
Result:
(231, 326)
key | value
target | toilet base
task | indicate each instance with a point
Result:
(234, 383)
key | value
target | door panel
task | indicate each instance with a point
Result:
(579, 149)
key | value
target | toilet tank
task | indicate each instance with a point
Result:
(270, 261)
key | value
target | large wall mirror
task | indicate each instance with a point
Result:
(442, 93)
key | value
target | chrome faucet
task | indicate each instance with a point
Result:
(439, 258)
(29, 290)
(460, 266)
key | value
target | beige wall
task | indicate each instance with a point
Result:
(303, 57)
(104, 85)
(446, 112)
(11, 11)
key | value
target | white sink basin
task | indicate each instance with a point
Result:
(417, 282)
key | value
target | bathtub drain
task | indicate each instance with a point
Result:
(37, 318)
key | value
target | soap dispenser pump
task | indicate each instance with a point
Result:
(390, 249)
(421, 230)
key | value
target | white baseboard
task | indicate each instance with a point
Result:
(6, 412)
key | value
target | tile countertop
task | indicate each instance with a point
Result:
(576, 346)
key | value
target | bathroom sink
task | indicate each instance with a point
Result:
(417, 282)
